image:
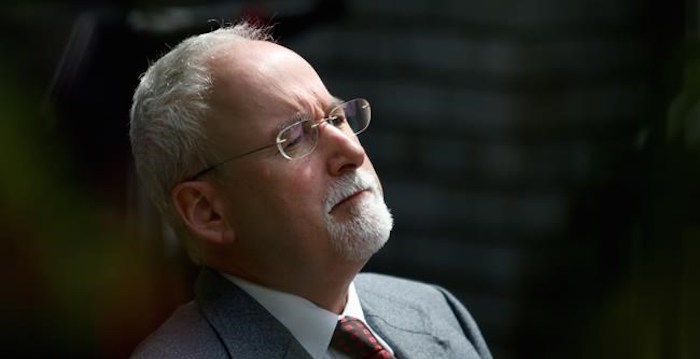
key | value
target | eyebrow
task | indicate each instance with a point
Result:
(334, 102)
(300, 116)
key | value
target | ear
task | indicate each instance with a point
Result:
(201, 209)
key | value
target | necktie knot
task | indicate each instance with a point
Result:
(353, 338)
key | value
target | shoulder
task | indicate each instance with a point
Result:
(186, 334)
(404, 290)
(404, 303)
(387, 294)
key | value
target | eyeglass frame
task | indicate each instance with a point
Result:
(279, 142)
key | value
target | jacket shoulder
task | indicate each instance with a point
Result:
(186, 334)
(404, 302)
(404, 290)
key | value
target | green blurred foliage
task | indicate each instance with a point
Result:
(75, 282)
(653, 312)
(684, 113)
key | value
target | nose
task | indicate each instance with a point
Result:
(344, 149)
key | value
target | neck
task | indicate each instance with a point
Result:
(331, 293)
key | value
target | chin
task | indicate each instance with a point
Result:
(362, 235)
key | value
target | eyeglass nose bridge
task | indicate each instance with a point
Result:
(316, 128)
(349, 132)
(324, 121)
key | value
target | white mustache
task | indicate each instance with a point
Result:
(348, 185)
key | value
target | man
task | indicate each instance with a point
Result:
(246, 152)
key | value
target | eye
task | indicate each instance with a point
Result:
(292, 136)
(337, 120)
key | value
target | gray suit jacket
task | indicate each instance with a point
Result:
(417, 320)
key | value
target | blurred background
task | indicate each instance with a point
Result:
(540, 157)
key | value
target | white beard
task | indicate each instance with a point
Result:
(366, 232)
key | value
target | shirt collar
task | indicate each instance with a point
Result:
(310, 324)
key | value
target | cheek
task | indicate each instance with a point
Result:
(293, 190)
(304, 188)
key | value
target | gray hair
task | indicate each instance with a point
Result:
(169, 107)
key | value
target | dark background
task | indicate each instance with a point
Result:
(540, 158)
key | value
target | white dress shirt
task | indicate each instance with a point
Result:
(311, 325)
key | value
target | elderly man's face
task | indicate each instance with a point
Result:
(303, 213)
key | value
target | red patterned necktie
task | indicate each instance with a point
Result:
(353, 338)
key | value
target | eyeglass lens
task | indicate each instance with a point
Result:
(300, 139)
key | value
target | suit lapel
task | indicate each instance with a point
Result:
(406, 329)
(245, 327)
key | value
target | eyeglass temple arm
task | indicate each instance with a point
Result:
(212, 167)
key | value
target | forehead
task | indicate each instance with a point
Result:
(257, 75)
(259, 85)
